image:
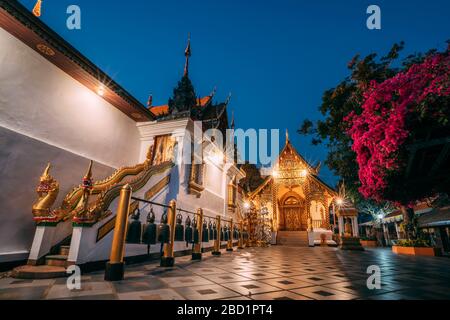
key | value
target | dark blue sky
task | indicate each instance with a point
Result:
(276, 57)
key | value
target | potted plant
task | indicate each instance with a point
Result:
(368, 241)
(416, 247)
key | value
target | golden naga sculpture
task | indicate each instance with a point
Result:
(47, 191)
(81, 211)
(89, 202)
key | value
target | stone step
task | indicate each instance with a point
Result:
(64, 250)
(39, 272)
(56, 260)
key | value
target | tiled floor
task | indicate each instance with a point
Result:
(279, 273)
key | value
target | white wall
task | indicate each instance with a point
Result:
(47, 116)
(39, 100)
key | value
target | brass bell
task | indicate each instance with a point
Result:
(223, 237)
(196, 232)
(163, 230)
(134, 228)
(149, 236)
(235, 233)
(205, 232)
(227, 233)
(179, 228)
(188, 231)
(215, 233)
(211, 231)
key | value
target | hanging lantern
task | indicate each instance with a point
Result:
(188, 231)
(37, 8)
(179, 228)
(149, 236)
(196, 232)
(205, 232)
(134, 228)
(163, 229)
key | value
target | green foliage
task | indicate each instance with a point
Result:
(414, 243)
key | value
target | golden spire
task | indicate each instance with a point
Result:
(37, 8)
(287, 136)
(88, 175)
(46, 171)
(187, 54)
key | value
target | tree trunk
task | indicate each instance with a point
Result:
(408, 220)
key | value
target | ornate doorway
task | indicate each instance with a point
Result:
(293, 216)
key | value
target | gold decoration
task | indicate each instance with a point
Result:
(47, 190)
(37, 8)
(45, 49)
(163, 149)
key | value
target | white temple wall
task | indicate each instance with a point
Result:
(39, 100)
(47, 116)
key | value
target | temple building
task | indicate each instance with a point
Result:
(72, 138)
(296, 199)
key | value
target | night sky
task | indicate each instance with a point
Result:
(275, 57)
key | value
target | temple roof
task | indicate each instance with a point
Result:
(164, 109)
(290, 151)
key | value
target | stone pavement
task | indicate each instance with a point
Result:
(278, 272)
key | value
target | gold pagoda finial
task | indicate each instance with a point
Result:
(37, 8)
(187, 54)
(287, 136)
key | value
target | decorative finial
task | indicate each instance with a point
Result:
(228, 99)
(232, 120)
(187, 54)
(213, 92)
(150, 101)
(37, 8)
(46, 171)
(88, 175)
(287, 136)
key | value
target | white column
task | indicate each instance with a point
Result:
(355, 227)
(397, 229)
(341, 225)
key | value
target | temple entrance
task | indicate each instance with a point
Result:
(293, 217)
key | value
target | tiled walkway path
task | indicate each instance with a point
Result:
(258, 273)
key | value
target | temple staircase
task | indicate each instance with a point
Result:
(293, 238)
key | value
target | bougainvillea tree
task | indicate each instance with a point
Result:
(395, 114)
(386, 128)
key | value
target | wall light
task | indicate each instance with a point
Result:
(304, 173)
(101, 91)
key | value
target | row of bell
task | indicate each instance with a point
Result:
(161, 233)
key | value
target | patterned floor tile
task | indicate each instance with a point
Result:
(207, 292)
(279, 295)
(324, 293)
(175, 282)
(248, 288)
